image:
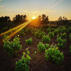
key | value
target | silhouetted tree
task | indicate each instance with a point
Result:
(19, 19)
(5, 22)
(5, 19)
(62, 20)
(44, 19)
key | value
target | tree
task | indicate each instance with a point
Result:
(62, 20)
(44, 19)
(5, 19)
(5, 23)
(19, 19)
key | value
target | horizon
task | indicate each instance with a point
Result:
(53, 9)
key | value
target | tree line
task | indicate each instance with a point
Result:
(6, 22)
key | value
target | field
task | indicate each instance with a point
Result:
(37, 49)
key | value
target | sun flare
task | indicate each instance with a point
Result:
(33, 17)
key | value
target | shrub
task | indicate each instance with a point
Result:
(16, 44)
(46, 38)
(29, 41)
(56, 31)
(46, 45)
(7, 46)
(59, 39)
(51, 34)
(41, 47)
(23, 63)
(48, 29)
(63, 35)
(52, 46)
(60, 45)
(62, 29)
(13, 46)
(39, 34)
(61, 42)
(54, 55)
(52, 29)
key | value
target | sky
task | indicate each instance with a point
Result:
(52, 8)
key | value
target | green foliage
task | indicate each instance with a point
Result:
(46, 45)
(41, 47)
(23, 63)
(51, 34)
(39, 34)
(48, 29)
(13, 46)
(62, 29)
(7, 46)
(28, 41)
(70, 36)
(46, 38)
(63, 35)
(61, 42)
(52, 29)
(22, 33)
(54, 55)
(53, 46)
(16, 44)
(59, 39)
(56, 31)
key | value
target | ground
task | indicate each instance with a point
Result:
(38, 62)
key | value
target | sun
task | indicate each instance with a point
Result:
(34, 17)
